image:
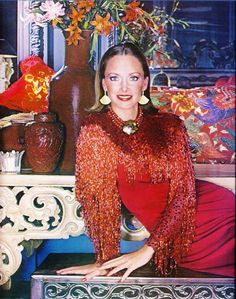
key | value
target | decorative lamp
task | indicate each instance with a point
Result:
(6, 65)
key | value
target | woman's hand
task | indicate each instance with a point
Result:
(90, 271)
(130, 261)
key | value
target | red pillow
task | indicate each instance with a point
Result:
(29, 92)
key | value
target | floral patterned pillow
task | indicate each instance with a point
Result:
(29, 93)
(209, 116)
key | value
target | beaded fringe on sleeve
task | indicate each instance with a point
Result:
(96, 190)
(175, 231)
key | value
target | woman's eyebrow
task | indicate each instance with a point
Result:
(112, 73)
(133, 73)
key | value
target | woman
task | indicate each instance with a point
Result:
(129, 153)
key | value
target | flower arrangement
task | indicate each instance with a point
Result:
(132, 22)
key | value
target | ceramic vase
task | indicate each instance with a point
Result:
(43, 142)
(71, 91)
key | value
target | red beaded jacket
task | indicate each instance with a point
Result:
(159, 147)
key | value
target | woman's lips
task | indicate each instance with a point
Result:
(124, 98)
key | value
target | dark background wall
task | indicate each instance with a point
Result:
(8, 21)
(210, 35)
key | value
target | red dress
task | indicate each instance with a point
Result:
(164, 199)
(212, 250)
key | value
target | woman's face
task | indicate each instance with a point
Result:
(124, 82)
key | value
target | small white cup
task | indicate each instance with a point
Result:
(10, 162)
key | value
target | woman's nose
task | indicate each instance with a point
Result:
(124, 85)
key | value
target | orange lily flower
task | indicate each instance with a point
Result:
(76, 16)
(133, 12)
(134, 5)
(71, 29)
(102, 25)
(74, 35)
(88, 5)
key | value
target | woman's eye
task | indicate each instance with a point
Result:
(113, 78)
(134, 78)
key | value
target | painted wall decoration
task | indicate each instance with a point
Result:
(209, 116)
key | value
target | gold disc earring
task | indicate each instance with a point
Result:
(143, 100)
(105, 100)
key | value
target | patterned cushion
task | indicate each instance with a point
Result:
(209, 115)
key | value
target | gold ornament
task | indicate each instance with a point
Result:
(105, 100)
(130, 127)
(143, 100)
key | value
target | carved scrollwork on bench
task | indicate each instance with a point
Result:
(179, 291)
(34, 213)
(10, 256)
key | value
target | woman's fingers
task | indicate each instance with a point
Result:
(78, 269)
(72, 270)
(69, 270)
(113, 263)
(114, 260)
(90, 271)
(117, 269)
(91, 275)
(130, 261)
(127, 273)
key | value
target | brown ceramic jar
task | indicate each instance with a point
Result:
(43, 142)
